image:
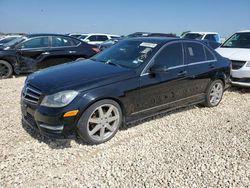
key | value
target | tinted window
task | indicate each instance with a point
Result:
(101, 38)
(58, 41)
(92, 38)
(195, 52)
(40, 42)
(209, 54)
(238, 40)
(210, 37)
(6, 40)
(170, 56)
(193, 36)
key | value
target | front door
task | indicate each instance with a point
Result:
(33, 53)
(163, 90)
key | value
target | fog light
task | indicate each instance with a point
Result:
(71, 113)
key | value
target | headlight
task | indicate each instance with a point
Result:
(60, 99)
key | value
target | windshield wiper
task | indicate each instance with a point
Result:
(111, 63)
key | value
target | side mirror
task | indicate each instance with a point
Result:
(87, 40)
(158, 69)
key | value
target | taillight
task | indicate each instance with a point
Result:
(97, 50)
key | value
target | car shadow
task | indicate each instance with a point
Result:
(66, 143)
(52, 143)
(158, 116)
(241, 90)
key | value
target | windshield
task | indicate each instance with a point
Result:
(238, 40)
(82, 37)
(7, 39)
(193, 36)
(14, 42)
(130, 54)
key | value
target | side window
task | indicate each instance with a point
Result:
(170, 56)
(209, 54)
(58, 41)
(210, 37)
(92, 38)
(40, 42)
(195, 52)
(101, 38)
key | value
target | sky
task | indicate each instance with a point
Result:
(124, 16)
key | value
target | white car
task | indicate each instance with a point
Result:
(237, 49)
(97, 38)
(211, 36)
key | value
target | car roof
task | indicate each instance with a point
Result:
(43, 34)
(202, 33)
(244, 31)
(160, 40)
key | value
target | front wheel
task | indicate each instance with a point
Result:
(100, 122)
(6, 69)
(214, 94)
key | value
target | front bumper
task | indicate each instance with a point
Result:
(241, 77)
(47, 121)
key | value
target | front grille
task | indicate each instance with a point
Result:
(31, 94)
(237, 64)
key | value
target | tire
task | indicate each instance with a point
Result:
(6, 69)
(214, 94)
(80, 59)
(96, 126)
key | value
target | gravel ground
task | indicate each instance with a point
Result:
(191, 147)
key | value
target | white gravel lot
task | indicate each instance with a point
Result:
(191, 147)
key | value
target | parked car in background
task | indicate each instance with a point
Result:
(8, 38)
(210, 38)
(37, 51)
(237, 49)
(75, 35)
(97, 38)
(136, 78)
(111, 42)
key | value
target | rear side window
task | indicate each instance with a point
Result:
(101, 38)
(58, 41)
(195, 52)
(210, 37)
(209, 54)
(39, 42)
(170, 56)
(92, 38)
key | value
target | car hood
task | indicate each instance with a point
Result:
(240, 54)
(80, 75)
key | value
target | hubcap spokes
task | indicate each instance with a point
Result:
(216, 94)
(103, 122)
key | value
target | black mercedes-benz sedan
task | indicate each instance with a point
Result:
(37, 51)
(136, 78)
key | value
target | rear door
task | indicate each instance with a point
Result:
(201, 66)
(63, 49)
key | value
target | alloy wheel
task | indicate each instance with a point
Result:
(103, 122)
(4, 70)
(216, 93)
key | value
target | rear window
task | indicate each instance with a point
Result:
(58, 41)
(195, 52)
(209, 54)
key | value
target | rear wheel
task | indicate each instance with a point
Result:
(100, 122)
(214, 94)
(6, 69)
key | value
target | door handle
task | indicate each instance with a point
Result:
(46, 53)
(72, 52)
(182, 73)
